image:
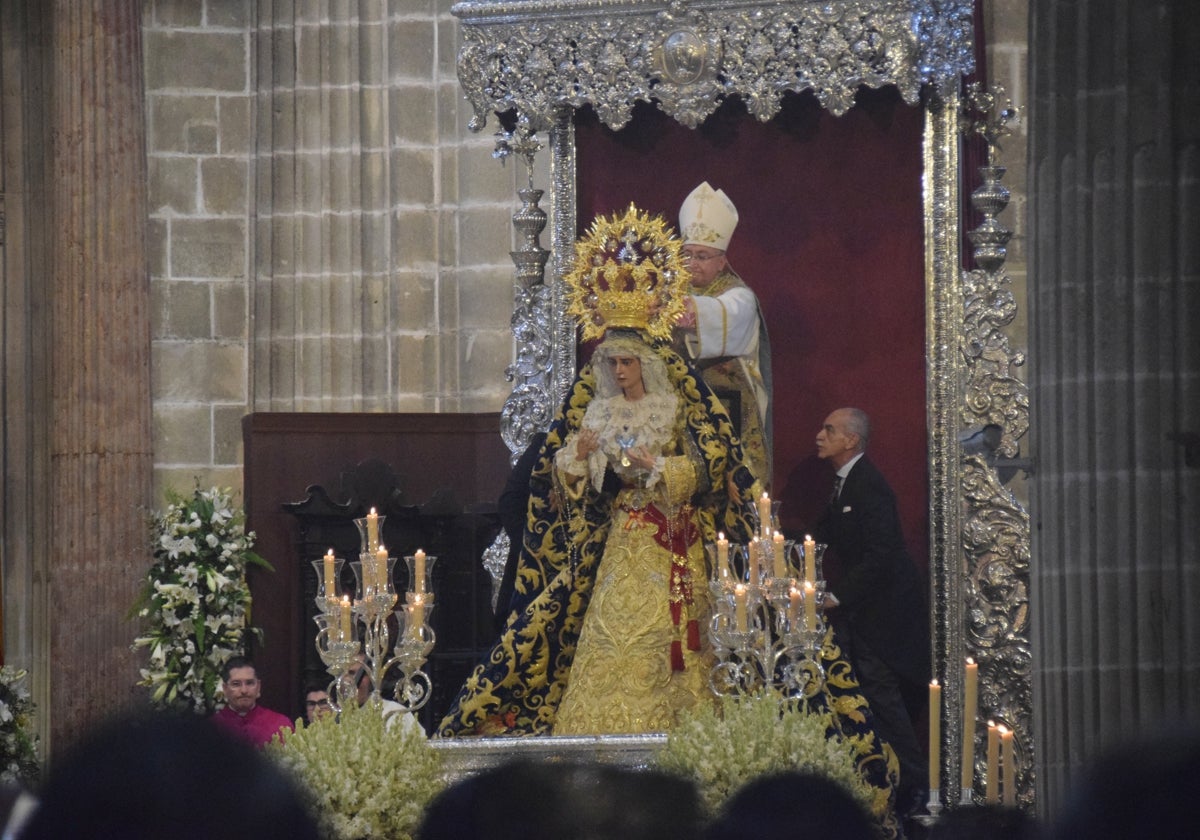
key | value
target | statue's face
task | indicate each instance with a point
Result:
(627, 373)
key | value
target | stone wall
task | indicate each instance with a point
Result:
(325, 234)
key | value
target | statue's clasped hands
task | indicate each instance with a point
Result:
(641, 457)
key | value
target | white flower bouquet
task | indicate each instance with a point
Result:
(19, 763)
(722, 747)
(195, 600)
(367, 775)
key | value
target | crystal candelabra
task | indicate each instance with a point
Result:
(768, 623)
(357, 632)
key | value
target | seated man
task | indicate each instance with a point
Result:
(242, 715)
(316, 704)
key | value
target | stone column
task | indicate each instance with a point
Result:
(381, 229)
(327, 208)
(99, 428)
(1115, 164)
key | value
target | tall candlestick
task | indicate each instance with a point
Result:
(935, 735)
(810, 559)
(992, 796)
(330, 589)
(970, 701)
(753, 563)
(764, 515)
(780, 558)
(810, 607)
(1008, 766)
(793, 606)
(740, 622)
(419, 571)
(723, 555)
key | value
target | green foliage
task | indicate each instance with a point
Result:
(367, 775)
(19, 762)
(721, 748)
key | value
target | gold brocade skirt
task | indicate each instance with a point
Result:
(621, 681)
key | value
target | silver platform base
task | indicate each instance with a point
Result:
(463, 757)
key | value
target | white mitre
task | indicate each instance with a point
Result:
(707, 217)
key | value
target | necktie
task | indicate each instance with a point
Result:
(837, 490)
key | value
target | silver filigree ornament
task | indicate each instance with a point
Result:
(542, 60)
(996, 527)
(688, 58)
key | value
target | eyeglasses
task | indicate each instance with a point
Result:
(700, 258)
(311, 703)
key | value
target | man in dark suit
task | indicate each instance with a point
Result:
(882, 618)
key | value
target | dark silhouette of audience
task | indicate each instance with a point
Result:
(793, 805)
(986, 822)
(152, 776)
(1140, 789)
(549, 801)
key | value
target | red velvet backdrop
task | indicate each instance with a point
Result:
(831, 239)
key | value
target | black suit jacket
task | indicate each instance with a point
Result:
(882, 598)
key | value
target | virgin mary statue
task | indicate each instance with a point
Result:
(640, 468)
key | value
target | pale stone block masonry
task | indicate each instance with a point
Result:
(325, 234)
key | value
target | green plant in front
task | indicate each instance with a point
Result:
(367, 775)
(722, 747)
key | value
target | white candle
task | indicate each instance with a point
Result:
(970, 701)
(935, 735)
(372, 530)
(793, 606)
(810, 607)
(780, 558)
(419, 571)
(381, 558)
(810, 559)
(739, 608)
(330, 589)
(992, 796)
(344, 615)
(1008, 766)
(723, 555)
(416, 616)
(764, 515)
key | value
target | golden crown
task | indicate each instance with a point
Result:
(628, 274)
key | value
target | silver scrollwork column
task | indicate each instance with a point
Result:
(996, 527)
(529, 407)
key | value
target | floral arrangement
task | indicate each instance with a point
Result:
(367, 774)
(195, 600)
(18, 744)
(720, 748)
